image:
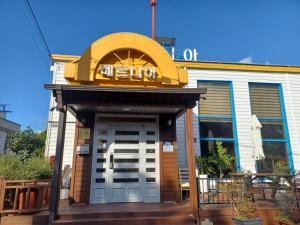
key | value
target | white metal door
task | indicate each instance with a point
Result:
(125, 163)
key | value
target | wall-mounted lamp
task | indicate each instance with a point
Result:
(169, 122)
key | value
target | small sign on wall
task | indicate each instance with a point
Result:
(168, 147)
(83, 149)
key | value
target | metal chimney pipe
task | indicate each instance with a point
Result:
(153, 5)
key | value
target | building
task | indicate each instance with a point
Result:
(125, 111)
(6, 127)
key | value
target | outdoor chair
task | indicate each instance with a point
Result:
(184, 182)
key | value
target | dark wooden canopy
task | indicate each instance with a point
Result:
(83, 99)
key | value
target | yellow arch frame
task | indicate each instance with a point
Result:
(84, 70)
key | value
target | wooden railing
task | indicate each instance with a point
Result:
(261, 187)
(24, 196)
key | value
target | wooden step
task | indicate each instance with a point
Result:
(115, 215)
(25, 220)
(158, 220)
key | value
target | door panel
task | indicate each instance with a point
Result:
(125, 163)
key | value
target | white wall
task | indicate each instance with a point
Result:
(3, 135)
(58, 78)
(240, 79)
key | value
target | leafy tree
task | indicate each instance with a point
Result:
(223, 158)
(206, 164)
(26, 143)
(42, 136)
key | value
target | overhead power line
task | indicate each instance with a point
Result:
(39, 29)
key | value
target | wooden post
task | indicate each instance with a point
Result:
(2, 193)
(55, 187)
(191, 162)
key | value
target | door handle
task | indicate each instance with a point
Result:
(111, 161)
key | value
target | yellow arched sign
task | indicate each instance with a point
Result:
(126, 59)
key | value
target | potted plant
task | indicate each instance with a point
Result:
(206, 167)
(289, 214)
(245, 212)
(282, 219)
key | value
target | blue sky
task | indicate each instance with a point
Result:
(257, 31)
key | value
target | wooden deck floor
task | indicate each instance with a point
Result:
(112, 214)
(138, 214)
(124, 207)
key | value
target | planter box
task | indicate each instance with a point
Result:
(286, 223)
(203, 185)
(64, 194)
(283, 223)
(257, 221)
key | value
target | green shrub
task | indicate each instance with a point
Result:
(27, 143)
(13, 168)
(38, 168)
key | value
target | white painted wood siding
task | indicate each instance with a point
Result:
(58, 78)
(291, 92)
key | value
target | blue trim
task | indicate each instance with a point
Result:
(217, 139)
(215, 117)
(237, 152)
(269, 118)
(286, 129)
(214, 81)
(265, 84)
(233, 117)
(274, 140)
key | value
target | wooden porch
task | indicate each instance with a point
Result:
(139, 214)
(111, 214)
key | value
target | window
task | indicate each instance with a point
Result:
(267, 105)
(216, 119)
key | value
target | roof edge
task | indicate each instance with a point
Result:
(210, 65)
(123, 89)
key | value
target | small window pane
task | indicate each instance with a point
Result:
(150, 179)
(265, 100)
(150, 142)
(126, 170)
(127, 141)
(150, 150)
(150, 160)
(116, 160)
(272, 129)
(118, 132)
(101, 160)
(100, 170)
(216, 101)
(150, 132)
(150, 170)
(101, 150)
(126, 150)
(100, 180)
(126, 180)
(275, 153)
(216, 128)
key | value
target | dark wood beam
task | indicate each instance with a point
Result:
(191, 163)
(56, 179)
